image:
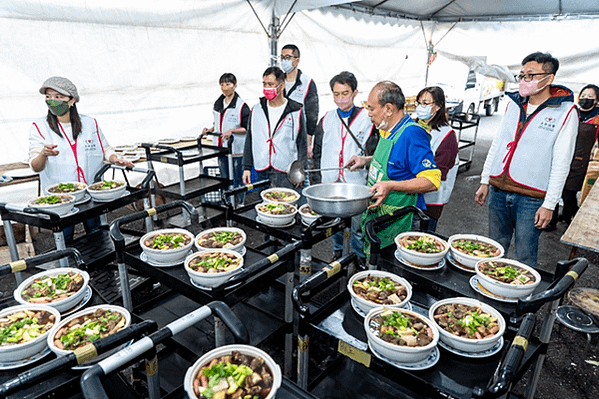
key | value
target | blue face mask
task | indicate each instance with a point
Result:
(287, 66)
(423, 112)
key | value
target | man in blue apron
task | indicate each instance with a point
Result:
(402, 167)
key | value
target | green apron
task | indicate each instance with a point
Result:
(394, 201)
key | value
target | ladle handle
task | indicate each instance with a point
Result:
(318, 170)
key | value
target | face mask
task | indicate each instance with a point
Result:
(287, 66)
(586, 103)
(423, 112)
(344, 102)
(530, 88)
(270, 93)
(58, 107)
(383, 125)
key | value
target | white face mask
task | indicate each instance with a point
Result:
(383, 125)
(287, 66)
(424, 112)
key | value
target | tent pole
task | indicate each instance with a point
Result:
(274, 39)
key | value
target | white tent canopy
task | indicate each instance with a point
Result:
(149, 69)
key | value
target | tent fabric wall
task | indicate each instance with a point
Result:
(148, 70)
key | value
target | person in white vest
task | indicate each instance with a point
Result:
(299, 87)
(66, 146)
(432, 116)
(340, 134)
(530, 157)
(231, 115)
(276, 134)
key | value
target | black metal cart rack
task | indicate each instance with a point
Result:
(460, 122)
(260, 271)
(319, 230)
(194, 153)
(91, 381)
(338, 344)
(94, 247)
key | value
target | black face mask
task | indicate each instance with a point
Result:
(586, 103)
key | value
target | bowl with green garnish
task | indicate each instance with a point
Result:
(231, 238)
(506, 277)
(421, 248)
(76, 189)
(167, 246)
(57, 203)
(107, 190)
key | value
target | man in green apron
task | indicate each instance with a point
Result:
(402, 166)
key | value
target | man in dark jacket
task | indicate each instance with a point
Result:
(300, 88)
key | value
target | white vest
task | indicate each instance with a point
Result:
(230, 118)
(441, 196)
(275, 148)
(528, 159)
(301, 91)
(78, 164)
(338, 146)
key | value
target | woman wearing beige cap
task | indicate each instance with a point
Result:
(66, 146)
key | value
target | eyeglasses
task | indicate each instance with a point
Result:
(287, 57)
(528, 77)
(425, 104)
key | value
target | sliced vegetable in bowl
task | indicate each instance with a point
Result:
(107, 190)
(61, 288)
(280, 194)
(506, 277)
(221, 237)
(372, 288)
(167, 246)
(467, 324)
(106, 185)
(467, 249)
(421, 248)
(59, 203)
(214, 262)
(75, 189)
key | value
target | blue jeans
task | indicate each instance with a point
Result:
(357, 238)
(223, 164)
(90, 225)
(514, 214)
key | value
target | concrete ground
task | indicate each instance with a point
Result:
(566, 372)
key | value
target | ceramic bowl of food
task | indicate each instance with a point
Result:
(107, 190)
(61, 288)
(167, 246)
(276, 213)
(212, 267)
(421, 248)
(280, 194)
(18, 340)
(231, 238)
(264, 379)
(400, 335)
(508, 278)
(467, 324)
(87, 326)
(61, 204)
(307, 214)
(75, 189)
(467, 249)
(373, 288)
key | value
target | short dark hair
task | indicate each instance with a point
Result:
(227, 78)
(550, 63)
(440, 118)
(390, 93)
(592, 87)
(345, 78)
(293, 48)
(278, 72)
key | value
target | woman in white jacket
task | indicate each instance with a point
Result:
(65, 146)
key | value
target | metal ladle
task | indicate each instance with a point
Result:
(297, 174)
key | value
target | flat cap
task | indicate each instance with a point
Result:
(61, 85)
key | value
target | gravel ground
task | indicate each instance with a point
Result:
(567, 372)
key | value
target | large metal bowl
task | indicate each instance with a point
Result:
(338, 199)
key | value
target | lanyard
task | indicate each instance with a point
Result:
(73, 145)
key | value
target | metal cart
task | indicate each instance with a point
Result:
(461, 122)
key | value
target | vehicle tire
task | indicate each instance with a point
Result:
(470, 112)
(489, 109)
